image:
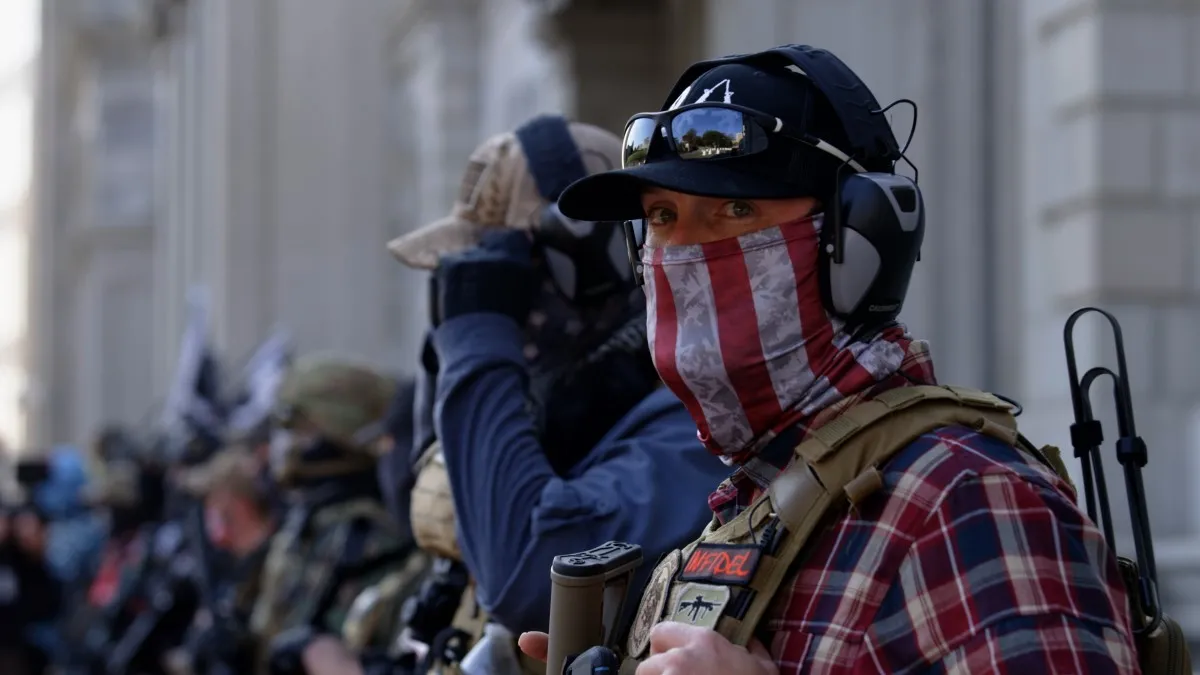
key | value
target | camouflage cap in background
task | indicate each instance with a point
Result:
(498, 191)
(234, 469)
(344, 401)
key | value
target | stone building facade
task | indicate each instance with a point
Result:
(268, 148)
(18, 80)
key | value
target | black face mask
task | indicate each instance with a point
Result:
(575, 399)
(578, 403)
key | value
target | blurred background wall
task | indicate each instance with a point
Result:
(269, 148)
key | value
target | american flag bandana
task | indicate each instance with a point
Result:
(738, 332)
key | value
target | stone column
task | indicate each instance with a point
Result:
(17, 73)
(94, 251)
(279, 196)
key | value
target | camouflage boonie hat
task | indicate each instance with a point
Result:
(343, 400)
(499, 191)
(234, 469)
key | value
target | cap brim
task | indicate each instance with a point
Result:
(423, 248)
(617, 195)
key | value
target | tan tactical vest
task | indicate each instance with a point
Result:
(433, 525)
(837, 466)
(432, 506)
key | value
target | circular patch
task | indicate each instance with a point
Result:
(654, 600)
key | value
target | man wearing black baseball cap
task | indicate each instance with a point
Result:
(877, 522)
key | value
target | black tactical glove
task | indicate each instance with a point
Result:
(286, 652)
(496, 276)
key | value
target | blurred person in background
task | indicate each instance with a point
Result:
(337, 537)
(30, 595)
(141, 598)
(238, 519)
(55, 541)
(77, 534)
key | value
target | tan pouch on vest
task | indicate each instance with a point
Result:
(836, 467)
(1164, 651)
(433, 519)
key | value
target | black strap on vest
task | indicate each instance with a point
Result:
(552, 155)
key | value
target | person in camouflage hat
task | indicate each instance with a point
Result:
(328, 417)
(238, 519)
(337, 537)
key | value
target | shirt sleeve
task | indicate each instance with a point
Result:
(1006, 576)
(515, 513)
(1053, 644)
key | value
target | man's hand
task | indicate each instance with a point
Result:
(680, 649)
(496, 276)
(286, 651)
(326, 655)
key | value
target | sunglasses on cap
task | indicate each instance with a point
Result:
(708, 131)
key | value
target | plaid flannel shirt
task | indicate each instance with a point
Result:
(973, 559)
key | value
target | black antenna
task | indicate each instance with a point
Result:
(1086, 436)
(912, 131)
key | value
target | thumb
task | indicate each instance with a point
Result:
(535, 645)
(759, 651)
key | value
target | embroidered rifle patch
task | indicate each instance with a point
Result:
(654, 599)
(722, 564)
(701, 605)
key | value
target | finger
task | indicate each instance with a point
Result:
(535, 645)
(758, 649)
(672, 634)
(655, 665)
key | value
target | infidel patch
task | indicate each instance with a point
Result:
(722, 564)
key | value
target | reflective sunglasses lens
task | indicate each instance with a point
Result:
(710, 133)
(638, 135)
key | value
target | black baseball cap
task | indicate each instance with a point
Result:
(822, 98)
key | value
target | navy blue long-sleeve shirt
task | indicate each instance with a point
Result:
(646, 482)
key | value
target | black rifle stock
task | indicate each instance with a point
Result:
(587, 596)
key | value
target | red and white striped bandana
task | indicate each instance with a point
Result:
(738, 332)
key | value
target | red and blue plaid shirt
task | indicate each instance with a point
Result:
(972, 559)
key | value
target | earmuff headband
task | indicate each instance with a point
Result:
(554, 159)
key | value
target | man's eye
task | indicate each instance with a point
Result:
(659, 215)
(739, 209)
